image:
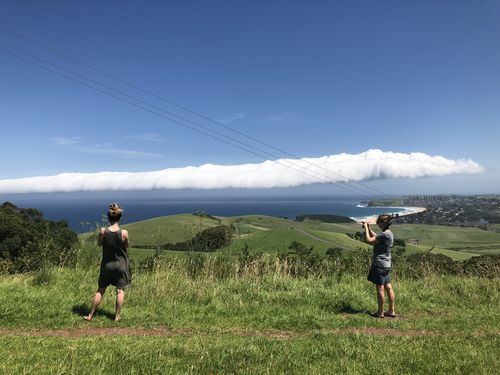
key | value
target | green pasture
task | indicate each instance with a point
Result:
(450, 237)
(276, 240)
(273, 300)
(269, 234)
(211, 353)
(168, 229)
(250, 323)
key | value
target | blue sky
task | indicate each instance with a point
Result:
(313, 78)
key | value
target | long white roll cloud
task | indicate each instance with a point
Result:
(372, 164)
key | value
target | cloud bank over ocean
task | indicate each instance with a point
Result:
(372, 164)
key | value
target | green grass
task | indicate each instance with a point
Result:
(168, 229)
(168, 296)
(273, 241)
(448, 236)
(453, 254)
(272, 235)
(255, 318)
(226, 317)
(229, 354)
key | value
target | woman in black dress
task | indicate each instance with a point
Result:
(115, 267)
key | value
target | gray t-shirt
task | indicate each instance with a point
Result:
(382, 249)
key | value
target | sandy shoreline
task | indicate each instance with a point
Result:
(407, 211)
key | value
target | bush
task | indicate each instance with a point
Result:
(28, 242)
(207, 240)
(399, 242)
(325, 218)
(424, 264)
(484, 266)
(334, 252)
(300, 260)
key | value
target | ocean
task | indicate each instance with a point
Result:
(83, 214)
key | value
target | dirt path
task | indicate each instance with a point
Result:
(175, 332)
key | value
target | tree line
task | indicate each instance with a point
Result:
(29, 242)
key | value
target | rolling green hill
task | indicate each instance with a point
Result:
(468, 239)
(271, 235)
(169, 229)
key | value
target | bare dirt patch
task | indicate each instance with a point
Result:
(97, 331)
(174, 332)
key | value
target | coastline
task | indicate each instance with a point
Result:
(372, 219)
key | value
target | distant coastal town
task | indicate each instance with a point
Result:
(401, 212)
(464, 210)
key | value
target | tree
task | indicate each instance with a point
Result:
(28, 242)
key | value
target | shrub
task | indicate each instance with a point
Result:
(207, 240)
(28, 242)
(325, 218)
(484, 266)
(334, 252)
(424, 264)
(300, 260)
(399, 242)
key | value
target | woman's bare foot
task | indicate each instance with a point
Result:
(87, 318)
(390, 314)
(117, 318)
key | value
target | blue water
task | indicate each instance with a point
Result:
(84, 214)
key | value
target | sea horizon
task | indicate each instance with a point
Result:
(85, 214)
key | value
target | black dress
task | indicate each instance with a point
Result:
(115, 267)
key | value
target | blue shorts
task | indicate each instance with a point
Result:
(379, 275)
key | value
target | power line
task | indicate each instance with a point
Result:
(361, 189)
(218, 123)
(160, 109)
(180, 123)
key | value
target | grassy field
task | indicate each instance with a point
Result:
(169, 229)
(253, 318)
(270, 234)
(230, 354)
(272, 323)
(450, 237)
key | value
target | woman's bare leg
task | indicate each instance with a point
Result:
(380, 299)
(120, 295)
(95, 302)
(392, 299)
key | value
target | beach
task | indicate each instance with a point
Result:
(406, 211)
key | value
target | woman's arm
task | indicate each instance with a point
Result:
(371, 236)
(100, 237)
(125, 238)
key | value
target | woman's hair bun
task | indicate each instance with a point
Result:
(114, 212)
(114, 207)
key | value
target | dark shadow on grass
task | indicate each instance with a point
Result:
(84, 310)
(342, 307)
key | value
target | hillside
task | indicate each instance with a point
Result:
(169, 229)
(271, 235)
